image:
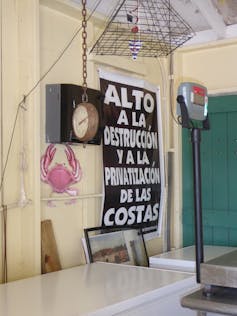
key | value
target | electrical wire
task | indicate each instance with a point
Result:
(19, 106)
(5, 265)
(163, 83)
(171, 90)
(4, 213)
(25, 97)
(164, 87)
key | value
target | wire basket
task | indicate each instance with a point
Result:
(145, 28)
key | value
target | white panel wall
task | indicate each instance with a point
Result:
(20, 71)
(33, 36)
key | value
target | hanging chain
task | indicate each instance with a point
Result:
(84, 52)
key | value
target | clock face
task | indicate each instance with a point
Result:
(85, 121)
(80, 121)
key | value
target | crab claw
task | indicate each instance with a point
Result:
(74, 163)
(46, 159)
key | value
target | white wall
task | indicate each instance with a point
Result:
(69, 221)
(213, 65)
(19, 73)
(33, 36)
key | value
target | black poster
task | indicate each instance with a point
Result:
(132, 153)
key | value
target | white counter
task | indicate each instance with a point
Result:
(184, 259)
(98, 289)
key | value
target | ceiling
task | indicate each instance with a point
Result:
(211, 20)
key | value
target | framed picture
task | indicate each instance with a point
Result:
(122, 246)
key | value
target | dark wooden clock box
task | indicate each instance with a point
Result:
(61, 100)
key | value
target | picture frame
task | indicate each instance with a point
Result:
(115, 245)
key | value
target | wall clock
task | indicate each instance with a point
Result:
(61, 103)
(85, 121)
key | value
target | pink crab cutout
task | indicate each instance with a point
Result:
(59, 177)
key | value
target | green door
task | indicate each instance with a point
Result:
(219, 176)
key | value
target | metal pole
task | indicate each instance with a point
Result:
(196, 140)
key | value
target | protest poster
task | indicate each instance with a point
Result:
(132, 152)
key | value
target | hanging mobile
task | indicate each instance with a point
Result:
(85, 118)
(135, 44)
